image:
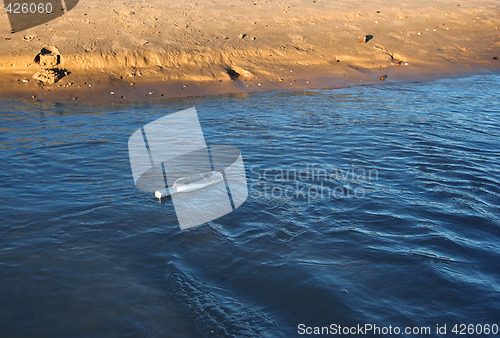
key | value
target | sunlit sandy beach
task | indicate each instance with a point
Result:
(135, 50)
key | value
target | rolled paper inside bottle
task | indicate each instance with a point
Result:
(197, 182)
(190, 183)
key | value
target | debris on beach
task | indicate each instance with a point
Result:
(50, 76)
(237, 73)
(382, 77)
(50, 60)
(401, 63)
(242, 36)
(365, 38)
(233, 75)
(48, 57)
(29, 37)
(135, 72)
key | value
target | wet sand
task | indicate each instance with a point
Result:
(123, 51)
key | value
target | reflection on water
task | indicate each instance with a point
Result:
(83, 252)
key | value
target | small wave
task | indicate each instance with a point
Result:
(214, 312)
(428, 256)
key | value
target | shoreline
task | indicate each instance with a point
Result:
(165, 49)
(114, 92)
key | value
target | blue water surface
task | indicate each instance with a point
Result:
(373, 204)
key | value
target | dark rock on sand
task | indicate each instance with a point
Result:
(234, 75)
(48, 57)
(50, 76)
(365, 38)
